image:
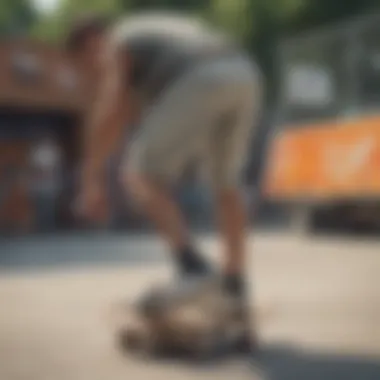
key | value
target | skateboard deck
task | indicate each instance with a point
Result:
(161, 323)
(192, 324)
(133, 341)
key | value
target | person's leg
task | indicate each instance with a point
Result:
(167, 139)
(231, 214)
(227, 152)
(158, 205)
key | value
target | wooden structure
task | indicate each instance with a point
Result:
(41, 93)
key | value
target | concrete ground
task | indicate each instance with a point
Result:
(318, 304)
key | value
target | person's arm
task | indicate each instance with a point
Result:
(108, 118)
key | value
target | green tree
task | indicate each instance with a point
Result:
(259, 24)
(16, 17)
(317, 13)
(52, 27)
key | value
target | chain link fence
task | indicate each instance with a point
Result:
(330, 73)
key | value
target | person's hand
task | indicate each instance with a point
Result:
(91, 204)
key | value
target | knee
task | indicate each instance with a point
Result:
(137, 184)
(132, 181)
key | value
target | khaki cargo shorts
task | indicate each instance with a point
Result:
(207, 115)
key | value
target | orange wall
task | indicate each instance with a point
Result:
(329, 160)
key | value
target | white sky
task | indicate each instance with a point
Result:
(45, 6)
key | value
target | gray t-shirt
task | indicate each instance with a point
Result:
(162, 46)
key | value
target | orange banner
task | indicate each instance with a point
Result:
(329, 160)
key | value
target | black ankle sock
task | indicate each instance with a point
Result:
(234, 284)
(191, 262)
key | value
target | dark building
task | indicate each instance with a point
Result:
(41, 102)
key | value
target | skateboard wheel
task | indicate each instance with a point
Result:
(130, 340)
(207, 346)
(136, 341)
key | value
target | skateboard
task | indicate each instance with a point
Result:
(191, 321)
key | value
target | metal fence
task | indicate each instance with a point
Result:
(333, 72)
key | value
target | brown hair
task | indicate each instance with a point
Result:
(83, 26)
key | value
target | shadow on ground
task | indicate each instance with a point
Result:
(79, 250)
(286, 363)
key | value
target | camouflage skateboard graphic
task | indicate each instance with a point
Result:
(191, 320)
